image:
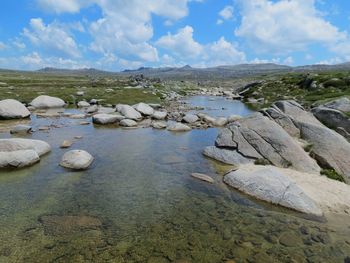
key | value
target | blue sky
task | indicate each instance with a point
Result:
(124, 34)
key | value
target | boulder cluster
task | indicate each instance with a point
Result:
(288, 137)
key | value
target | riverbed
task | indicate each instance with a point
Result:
(139, 203)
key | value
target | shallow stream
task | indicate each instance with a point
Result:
(138, 203)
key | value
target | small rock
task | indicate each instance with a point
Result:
(66, 144)
(190, 118)
(159, 115)
(83, 104)
(178, 127)
(203, 177)
(76, 160)
(159, 125)
(21, 129)
(128, 123)
(104, 119)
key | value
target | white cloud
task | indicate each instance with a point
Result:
(288, 61)
(62, 6)
(285, 26)
(125, 27)
(52, 38)
(17, 43)
(2, 45)
(181, 43)
(223, 52)
(185, 48)
(227, 12)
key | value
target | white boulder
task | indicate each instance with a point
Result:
(13, 109)
(44, 101)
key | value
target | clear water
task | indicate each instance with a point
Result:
(138, 203)
(219, 106)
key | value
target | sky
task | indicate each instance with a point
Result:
(126, 34)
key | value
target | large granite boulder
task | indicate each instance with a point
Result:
(258, 137)
(18, 153)
(13, 109)
(129, 112)
(44, 102)
(77, 160)
(332, 118)
(144, 109)
(329, 148)
(270, 184)
(342, 104)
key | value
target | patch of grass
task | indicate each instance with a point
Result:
(308, 147)
(27, 86)
(332, 174)
(262, 162)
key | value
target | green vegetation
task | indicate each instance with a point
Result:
(308, 147)
(261, 162)
(332, 174)
(305, 88)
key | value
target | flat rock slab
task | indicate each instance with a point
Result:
(226, 156)
(77, 160)
(203, 177)
(268, 183)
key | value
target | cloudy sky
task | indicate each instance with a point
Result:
(125, 34)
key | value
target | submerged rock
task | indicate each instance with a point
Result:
(13, 109)
(44, 101)
(77, 160)
(270, 184)
(203, 177)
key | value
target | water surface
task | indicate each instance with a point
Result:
(138, 203)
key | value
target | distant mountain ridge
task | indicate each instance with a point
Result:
(188, 72)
